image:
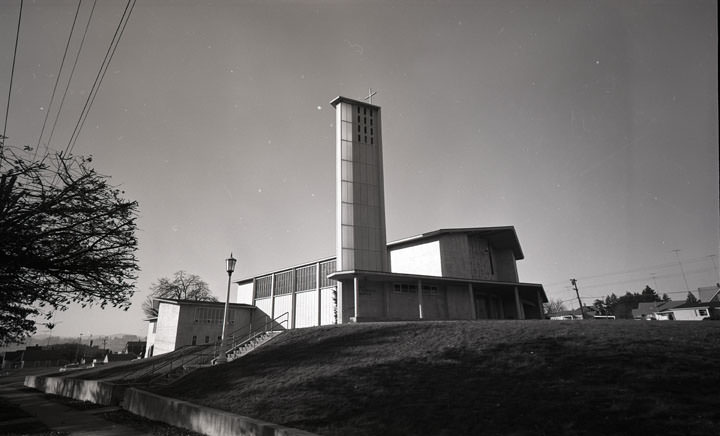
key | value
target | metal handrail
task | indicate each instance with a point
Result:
(238, 345)
(230, 339)
(204, 350)
(169, 361)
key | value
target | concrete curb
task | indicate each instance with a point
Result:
(94, 391)
(171, 411)
(201, 419)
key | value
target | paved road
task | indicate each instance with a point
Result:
(40, 408)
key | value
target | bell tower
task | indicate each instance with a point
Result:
(361, 243)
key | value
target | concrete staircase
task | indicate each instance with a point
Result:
(251, 344)
(202, 360)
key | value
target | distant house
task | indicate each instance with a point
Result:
(693, 312)
(707, 308)
(181, 323)
(135, 347)
(33, 357)
(11, 359)
(590, 313)
(655, 310)
(119, 357)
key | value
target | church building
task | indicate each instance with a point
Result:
(446, 274)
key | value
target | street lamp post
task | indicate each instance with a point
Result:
(229, 267)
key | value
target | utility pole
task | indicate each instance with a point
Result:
(582, 310)
(677, 254)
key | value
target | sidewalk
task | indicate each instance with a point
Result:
(56, 416)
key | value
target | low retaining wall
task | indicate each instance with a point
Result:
(172, 411)
(201, 419)
(95, 391)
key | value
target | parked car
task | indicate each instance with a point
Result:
(72, 367)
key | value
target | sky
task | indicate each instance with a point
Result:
(590, 126)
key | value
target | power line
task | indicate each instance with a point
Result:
(57, 80)
(664, 292)
(641, 279)
(12, 75)
(633, 270)
(101, 74)
(677, 253)
(72, 72)
(606, 285)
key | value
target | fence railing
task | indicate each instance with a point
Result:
(239, 338)
(208, 353)
(165, 363)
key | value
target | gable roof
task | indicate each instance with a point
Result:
(157, 301)
(670, 305)
(645, 308)
(500, 237)
(696, 305)
(709, 293)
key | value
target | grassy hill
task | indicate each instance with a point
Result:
(471, 378)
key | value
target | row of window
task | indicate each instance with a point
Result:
(364, 130)
(365, 118)
(365, 140)
(362, 126)
(284, 282)
(207, 339)
(404, 288)
(363, 112)
(299, 279)
(209, 315)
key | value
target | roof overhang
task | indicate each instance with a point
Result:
(500, 237)
(340, 99)
(401, 277)
(157, 301)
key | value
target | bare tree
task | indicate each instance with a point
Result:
(554, 306)
(182, 286)
(66, 236)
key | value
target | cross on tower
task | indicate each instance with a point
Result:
(370, 95)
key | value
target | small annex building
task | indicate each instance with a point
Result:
(181, 323)
(447, 274)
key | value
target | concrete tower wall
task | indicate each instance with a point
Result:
(361, 239)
